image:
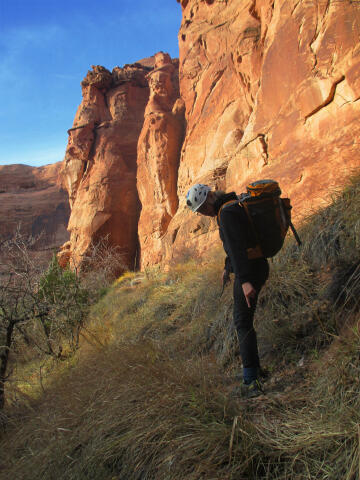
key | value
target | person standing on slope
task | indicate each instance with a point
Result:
(250, 274)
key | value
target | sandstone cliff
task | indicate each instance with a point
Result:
(158, 157)
(270, 89)
(100, 162)
(33, 198)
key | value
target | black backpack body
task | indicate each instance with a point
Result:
(269, 217)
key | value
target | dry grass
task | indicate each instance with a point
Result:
(173, 309)
(130, 412)
(312, 289)
(149, 400)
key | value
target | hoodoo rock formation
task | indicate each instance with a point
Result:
(33, 200)
(158, 157)
(270, 89)
(100, 161)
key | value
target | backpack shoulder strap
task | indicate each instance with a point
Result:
(254, 252)
(255, 234)
(230, 202)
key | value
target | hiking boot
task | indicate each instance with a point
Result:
(251, 390)
(263, 373)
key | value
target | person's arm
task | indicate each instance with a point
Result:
(234, 226)
(227, 265)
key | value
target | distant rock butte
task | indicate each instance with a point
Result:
(33, 199)
(265, 90)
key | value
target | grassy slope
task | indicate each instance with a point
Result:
(150, 398)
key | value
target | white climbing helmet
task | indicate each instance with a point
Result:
(196, 196)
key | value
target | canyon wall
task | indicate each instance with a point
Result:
(271, 90)
(100, 167)
(33, 200)
(266, 89)
(158, 157)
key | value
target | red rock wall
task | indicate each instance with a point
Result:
(100, 162)
(271, 90)
(158, 157)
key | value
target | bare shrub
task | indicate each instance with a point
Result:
(101, 265)
(43, 310)
(19, 303)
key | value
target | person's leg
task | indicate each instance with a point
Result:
(243, 319)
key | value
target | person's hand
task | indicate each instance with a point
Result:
(249, 292)
(225, 277)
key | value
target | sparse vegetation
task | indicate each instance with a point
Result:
(65, 303)
(19, 304)
(43, 311)
(149, 398)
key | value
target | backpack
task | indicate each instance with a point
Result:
(269, 217)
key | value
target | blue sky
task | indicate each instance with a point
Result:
(46, 48)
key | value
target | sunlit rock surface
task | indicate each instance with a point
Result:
(100, 163)
(265, 90)
(271, 90)
(158, 157)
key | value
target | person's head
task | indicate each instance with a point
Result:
(201, 199)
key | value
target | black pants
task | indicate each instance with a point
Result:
(244, 316)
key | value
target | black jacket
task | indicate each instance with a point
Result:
(236, 235)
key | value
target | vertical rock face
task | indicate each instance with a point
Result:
(304, 128)
(100, 163)
(158, 157)
(221, 51)
(271, 90)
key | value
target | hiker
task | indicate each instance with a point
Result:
(250, 274)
